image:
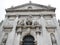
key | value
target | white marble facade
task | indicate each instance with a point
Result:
(36, 20)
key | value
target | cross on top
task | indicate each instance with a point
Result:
(30, 2)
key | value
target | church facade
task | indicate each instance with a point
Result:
(30, 24)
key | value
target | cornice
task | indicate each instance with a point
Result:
(31, 10)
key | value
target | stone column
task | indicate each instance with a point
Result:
(18, 40)
(1, 30)
(44, 32)
(11, 36)
(38, 36)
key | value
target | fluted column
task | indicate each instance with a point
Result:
(11, 36)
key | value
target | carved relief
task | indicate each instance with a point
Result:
(8, 24)
(29, 25)
(18, 30)
(50, 23)
(29, 20)
(21, 22)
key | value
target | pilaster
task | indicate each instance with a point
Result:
(19, 33)
(44, 36)
(11, 36)
(1, 30)
(38, 37)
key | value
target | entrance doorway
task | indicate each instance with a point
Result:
(28, 40)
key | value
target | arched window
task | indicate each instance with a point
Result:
(53, 39)
(28, 40)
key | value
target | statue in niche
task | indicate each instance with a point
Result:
(4, 39)
(53, 39)
(29, 20)
(22, 22)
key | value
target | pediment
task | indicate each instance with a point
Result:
(30, 6)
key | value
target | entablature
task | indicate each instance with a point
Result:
(30, 13)
(52, 10)
(37, 16)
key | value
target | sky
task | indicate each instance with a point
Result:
(4, 4)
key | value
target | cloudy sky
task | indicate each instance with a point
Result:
(4, 4)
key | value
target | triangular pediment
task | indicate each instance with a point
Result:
(30, 6)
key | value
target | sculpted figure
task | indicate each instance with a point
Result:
(29, 20)
(53, 39)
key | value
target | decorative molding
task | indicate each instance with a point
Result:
(29, 26)
(32, 10)
(31, 14)
(51, 29)
(7, 29)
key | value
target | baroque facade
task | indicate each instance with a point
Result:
(30, 24)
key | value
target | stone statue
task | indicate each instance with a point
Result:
(29, 20)
(53, 39)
